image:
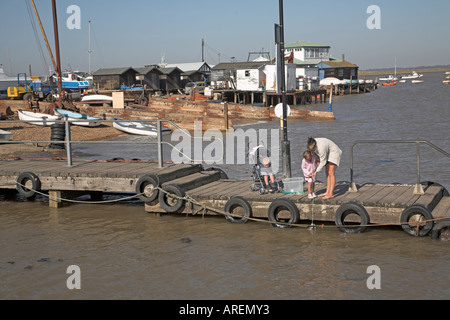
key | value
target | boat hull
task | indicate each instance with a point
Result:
(138, 127)
(39, 119)
(76, 117)
(5, 135)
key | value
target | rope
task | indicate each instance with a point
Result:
(204, 208)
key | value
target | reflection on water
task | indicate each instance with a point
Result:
(125, 253)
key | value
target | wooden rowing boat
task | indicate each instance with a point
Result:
(40, 119)
(138, 127)
(75, 117)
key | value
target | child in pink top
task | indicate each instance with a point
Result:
(309, 170)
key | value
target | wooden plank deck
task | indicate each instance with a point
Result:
(383, 203)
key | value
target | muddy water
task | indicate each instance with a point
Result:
(125, 253)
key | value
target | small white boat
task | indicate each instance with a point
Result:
(40, 119)
(97, 98)
(138, 127)
(388, 78)
(416, 81)
(414, 75)
(331, 80)
(5, 135)
(73, 116)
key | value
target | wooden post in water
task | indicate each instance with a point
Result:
(225, 114)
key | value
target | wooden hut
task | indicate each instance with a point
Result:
(151, 75)
(113, 78)
(170, 79)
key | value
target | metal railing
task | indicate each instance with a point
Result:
(418, 189)
(69, 142)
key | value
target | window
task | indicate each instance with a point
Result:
(247, 73)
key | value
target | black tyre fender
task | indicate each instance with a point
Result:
(22, 179)
(145, 188)
(143, 101)
(232, 204)
(414, 210)
(283, 204)
(439, 228)
(351, 208)
(171, 204)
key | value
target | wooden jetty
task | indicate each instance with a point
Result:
(210, 192)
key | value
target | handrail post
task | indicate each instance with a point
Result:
(352, 187)
(68, 139)
(418, 189)
(160, 150)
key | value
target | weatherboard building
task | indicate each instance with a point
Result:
(314, 60)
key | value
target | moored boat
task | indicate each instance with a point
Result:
(40, 119)
(74, 116)
(5, 135)
(416, 81)
(138, 127)
(96, 98)
(389, 84)
(388, 78)
(446, 82)
(414, 75)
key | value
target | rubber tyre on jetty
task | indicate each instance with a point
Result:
(58, 133)
(441, 230)
(351, 208)
(283, 205)
(22, 180)
(171, 204)
(416, 210)
(234, 203)
(145, 188)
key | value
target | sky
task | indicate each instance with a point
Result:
(142, 32)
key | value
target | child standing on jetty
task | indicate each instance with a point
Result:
(309, 170)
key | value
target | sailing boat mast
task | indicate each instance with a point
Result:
(58, 60)
(89, 51)
(44, 35)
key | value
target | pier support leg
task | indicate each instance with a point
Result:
(54, 200)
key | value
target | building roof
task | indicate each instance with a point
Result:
(146, 70)
(169, 70)
(112, 71)
(190, 66)
(303, 44)
(240, 65)
(337, 64)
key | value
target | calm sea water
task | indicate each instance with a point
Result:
(125, 253)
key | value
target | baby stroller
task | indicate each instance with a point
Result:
(256, 157)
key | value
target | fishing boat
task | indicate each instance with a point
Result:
(75, 117)
(40, 119)
(73, 81)
(5, 135)
(138, 127)
(414, 75)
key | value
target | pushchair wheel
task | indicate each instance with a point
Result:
(262, 191)
(253, 187)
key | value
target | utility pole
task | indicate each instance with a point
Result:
(285, 143)
(203, 50)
